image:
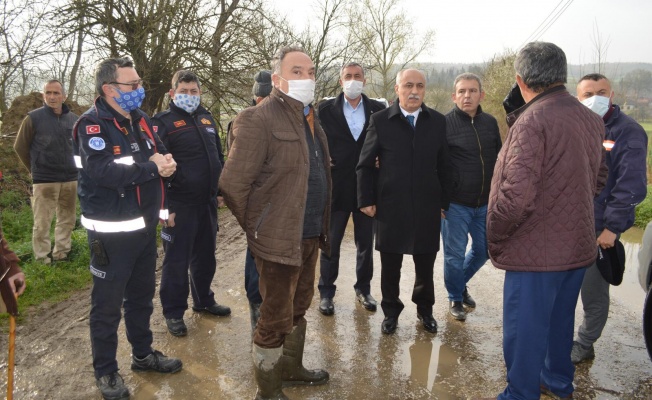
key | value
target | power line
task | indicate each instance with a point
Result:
(552, 17)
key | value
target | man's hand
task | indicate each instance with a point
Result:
(17, 283)
(220, 201)
(443, 214)
(369, 210)
(170, 222)
(606, 239)
(165, 164)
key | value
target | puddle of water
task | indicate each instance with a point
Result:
(629, 293)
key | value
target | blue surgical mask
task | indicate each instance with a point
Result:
(130, 101)
(186, 102)
(597, 104)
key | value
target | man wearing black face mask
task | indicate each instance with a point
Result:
(121, 162)
(188, 130)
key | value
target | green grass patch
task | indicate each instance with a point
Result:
(644, 210)
(45, 283)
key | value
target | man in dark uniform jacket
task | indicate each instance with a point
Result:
(121, 162)
(409, 140)
(345, 120)
(188, 130)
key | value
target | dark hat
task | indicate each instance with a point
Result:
(611, 263)
(262, 83)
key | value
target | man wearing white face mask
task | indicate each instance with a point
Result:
(277, 184)
(345, 120)
(188, 131)
(626, 150)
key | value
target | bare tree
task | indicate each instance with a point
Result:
(324, 45)
(21, 42)
(388, 40)
(600, 48)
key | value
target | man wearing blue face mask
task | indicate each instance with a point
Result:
(121, 164)
(626, 150)
(277, 184)
(188, 130)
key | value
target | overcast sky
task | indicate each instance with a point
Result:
(475, 30)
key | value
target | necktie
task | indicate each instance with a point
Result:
(410, 119)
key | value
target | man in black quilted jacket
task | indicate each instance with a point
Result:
(473, 142)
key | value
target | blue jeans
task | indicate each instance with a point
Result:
(459, 267)
(538, 324)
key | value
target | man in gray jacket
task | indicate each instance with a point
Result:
(277, 184)
(44, 146)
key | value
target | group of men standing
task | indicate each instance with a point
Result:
(295, 176)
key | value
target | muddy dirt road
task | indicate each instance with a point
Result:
(464, 360)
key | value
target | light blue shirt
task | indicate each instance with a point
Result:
(354, 117)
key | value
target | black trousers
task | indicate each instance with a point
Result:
(423, 293)
(127, 281)
(363, 234)
(193, 250)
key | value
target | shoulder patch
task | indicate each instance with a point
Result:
(180, 123)
(205, 121)
(92, 129)
(96, 143)
(156, 128)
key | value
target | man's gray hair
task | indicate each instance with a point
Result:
(351, 64)
(399, 75)
(280, 55)
(63, 89)
(107, 71)
(541, 65)
(467, 76)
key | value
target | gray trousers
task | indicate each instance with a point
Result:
(595, 300)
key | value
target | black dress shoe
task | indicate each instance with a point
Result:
(389, 325)
(326, 306)
(457, 310)
(467, 299)
(367, 301)
(428, 322)
(176, 326)
(215, 309)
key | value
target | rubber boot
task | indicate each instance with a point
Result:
(254, 313)
(294, 374)
(267, 370)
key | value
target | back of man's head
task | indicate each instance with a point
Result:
(541, 65)
(262, 84)
(107, 71)
(186, 76)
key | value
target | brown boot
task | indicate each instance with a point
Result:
(294, 374)
(267, 369)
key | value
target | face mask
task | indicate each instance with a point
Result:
(597, 104)
(186, 102)
(130, 101)
(302, 90)
(352, 88)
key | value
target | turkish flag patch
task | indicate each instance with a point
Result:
(178, 124)
(92, 129)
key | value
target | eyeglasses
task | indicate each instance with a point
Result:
(134, 85)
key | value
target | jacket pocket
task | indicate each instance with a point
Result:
(286, 136)
(261, 219)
